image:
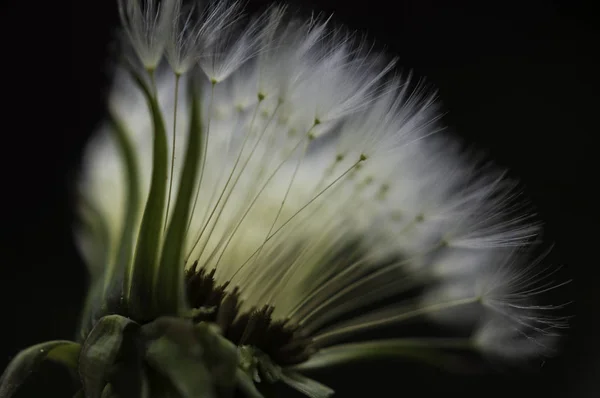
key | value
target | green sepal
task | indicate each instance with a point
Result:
(257, 364)
(66, 355)
(184, 368)
(141, 295)
(193, 313)
(99, 352)
(211, 358)
(245, 383)
(168, 283)
(118, 278)
(94, 224)
(109, 392)
(429, 351)
(181, 333)
(27, 361)
(307, 386)
(220, 355)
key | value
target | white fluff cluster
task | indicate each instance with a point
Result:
(326, 186)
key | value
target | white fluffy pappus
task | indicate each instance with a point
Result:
(326, 188)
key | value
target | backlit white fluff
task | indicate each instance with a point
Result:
(326, 185)
(147, 25)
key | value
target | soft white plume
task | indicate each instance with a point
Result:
(327, 185)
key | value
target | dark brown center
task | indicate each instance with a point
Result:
(278, 339)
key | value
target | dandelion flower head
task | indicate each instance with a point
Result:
(280, 180)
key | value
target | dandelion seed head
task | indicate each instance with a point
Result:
(326, 184)
(268, 196)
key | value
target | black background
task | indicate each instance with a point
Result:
(517, 78)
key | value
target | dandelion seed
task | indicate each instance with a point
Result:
(302, 198)
(147, 25)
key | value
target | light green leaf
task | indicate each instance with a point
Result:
(120, 272)
(27, 361)
(141, 294)
(169, 279)
(99, 352)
